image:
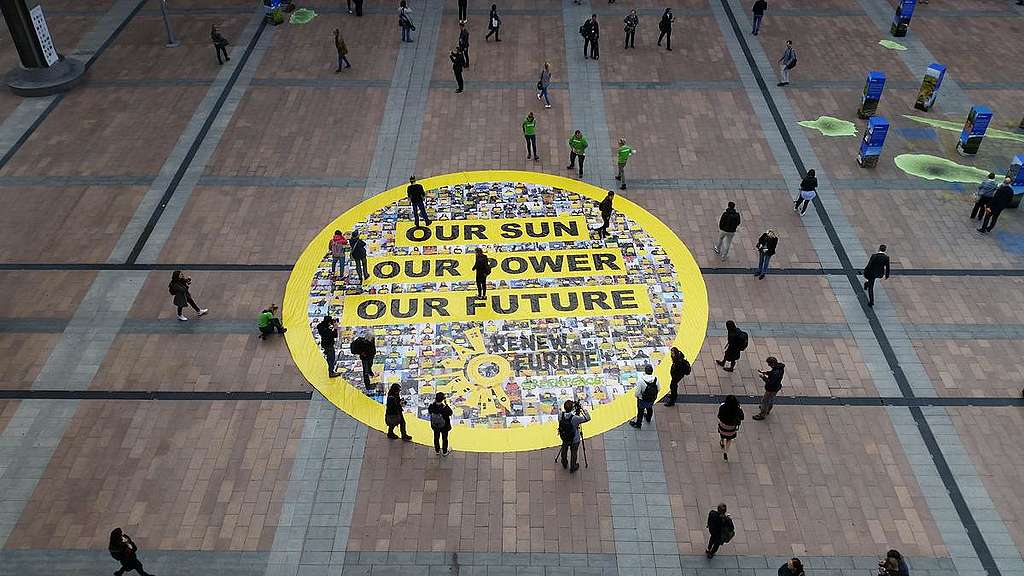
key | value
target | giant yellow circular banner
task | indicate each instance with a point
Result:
(568, 314)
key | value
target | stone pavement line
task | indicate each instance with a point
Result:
(586, 97)
(31, 112)
(316, 517)
(72, 364)
(901, 358)
(953, 99)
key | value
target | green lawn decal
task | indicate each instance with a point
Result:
(957, 127)
(935, 168)
(302, 16)
(892, 45)
(830, 126)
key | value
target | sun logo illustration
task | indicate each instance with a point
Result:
(478, 376)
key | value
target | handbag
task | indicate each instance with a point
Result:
(392, 419)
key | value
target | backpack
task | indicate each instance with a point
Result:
(728, 529)
(357, 346)
(650, 393)
(437, 421)
(566, 429)
(791, 65)
(170, 288)
(742, 340)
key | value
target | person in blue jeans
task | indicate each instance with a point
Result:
(542, 85)
(405, 21)
(759, 7)
(766, 245)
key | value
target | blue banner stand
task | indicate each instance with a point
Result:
(901, 20)
(872, 94)
(930, 86)
(974, 131)
(1016, 174)
(871, 144)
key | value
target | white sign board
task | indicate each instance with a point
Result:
(43, 33)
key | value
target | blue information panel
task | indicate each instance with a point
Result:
(1016, 175)
(974, 130)
(872, 94)
(871, 144)
(901, 20)
(930, 86)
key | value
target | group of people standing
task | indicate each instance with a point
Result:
(990, 201)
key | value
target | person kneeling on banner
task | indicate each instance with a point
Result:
(571, 433)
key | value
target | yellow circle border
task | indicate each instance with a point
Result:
(352, 400)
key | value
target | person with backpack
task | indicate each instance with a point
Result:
(772, 384)
(766, 245)
(665, 26)
(493, 24)
(417, 198)
(365, 347)
(124, 550)
(338, 246)
(646, 395)
(577, 151)
(573, 415)
(727, 225)
(680, 369)
(808, 190)
(591, 32)
(730, 416)
(631, 21)
(482, 267)
(393, 413)
(787, 63)
(720, 527)
(268, 322)
(530, 133)
(357, 249)
(440, 422)
(405, 21)
(179, 288)
(736, 342)
(327, 329)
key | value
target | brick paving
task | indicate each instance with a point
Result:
(266, 481)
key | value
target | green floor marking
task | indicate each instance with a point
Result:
(892, 45)
(830, 126)
(301, 16)
(957, 127)
(935, 168)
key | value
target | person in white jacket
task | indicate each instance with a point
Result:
(646, 395)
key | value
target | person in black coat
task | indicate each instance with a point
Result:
(179, 288)
(736, 342)
(718, 524)
(482, 267)
(999, 202)
(417, 197)
(365, 347)
(792, 568)
(327, 329)
(730, 416)
(727, 225)
(605, 207)
(666, 28)
(772, 384)
(440, 422)
(493, 24)
(679, 370)
(220, 44)
(357, 250)
(766, 246)
(591, 33)
(458, 63)
(464, 43)
(877, 267)
(124, 550)
(393, 413)
(808, 190)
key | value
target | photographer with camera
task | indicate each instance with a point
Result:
(440, 422)
(569, 421)
(393, 413)
(182, 297)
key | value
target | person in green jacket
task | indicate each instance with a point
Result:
(530, 133)
(268, 322)
(624, 153)
(577, 149)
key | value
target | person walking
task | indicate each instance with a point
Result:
(730, 416)
(179, 288)
(393, 415)
(359, 7)
(877, 267)
(124, 550)
(736, 341)
(787, 63)
(493, 24)
(591, 32)
(348, 4)
(463, 10)
(646, 395)
(482, 267)
(728, 222)
(794, 567)
(808, 190)
(440, 422)
(357, 249)
(268, 322)
(772, 379)
(458, 63)
(721, 529)
(417, 198)
(623, 154)
(893, 564)
(339, 44)
(464, 43)
(577, 151)
(405, 21)
(543, 84)
(759, 8)
(569, 432)
(631, 21)
(665, 26)
(679, 370)
(766, 246)
(365, 347)
(605, 207)
(983, 197)
(327, 329)
(338, 246)
(220, 44)
(530, 133)
(1000, 200)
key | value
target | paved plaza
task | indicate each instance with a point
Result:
(899, 425)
